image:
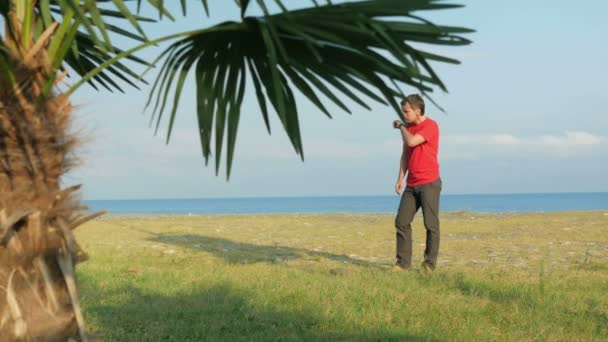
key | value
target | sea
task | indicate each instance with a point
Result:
(491, 203)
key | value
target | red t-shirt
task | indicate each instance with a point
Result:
(422, 164)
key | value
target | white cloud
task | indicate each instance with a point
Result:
(584, 138)
(116, 153)
(505, 139)
(123, 151)
(548, 146)
(568, 145)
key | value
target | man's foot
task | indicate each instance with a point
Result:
(399, 268)
(427, 268)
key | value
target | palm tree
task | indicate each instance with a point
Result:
(341, 50)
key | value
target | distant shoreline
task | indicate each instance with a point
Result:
(342, 196)
(355, 204)
(446, 215)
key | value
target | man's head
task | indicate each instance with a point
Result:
(413, 109)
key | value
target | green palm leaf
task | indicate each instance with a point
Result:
(90, 45)
(361, 50)
(5, 66)
(88, 56)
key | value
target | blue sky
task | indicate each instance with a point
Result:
(525, 113)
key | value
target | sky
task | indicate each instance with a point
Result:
(525, 113)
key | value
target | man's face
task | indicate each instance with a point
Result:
(411, 115)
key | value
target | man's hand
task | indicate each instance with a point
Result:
(397, 124)
(399, 186)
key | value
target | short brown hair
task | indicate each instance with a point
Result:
(415, 102)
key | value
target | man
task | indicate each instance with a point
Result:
(419, 160)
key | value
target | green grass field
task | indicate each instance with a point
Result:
(513, 277)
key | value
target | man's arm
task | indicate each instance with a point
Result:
(403, 163)
(409, 139)
(402, 170)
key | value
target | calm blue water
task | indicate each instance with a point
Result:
(354, 204)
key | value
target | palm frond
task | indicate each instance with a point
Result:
(82, 42)
(360, 50)
(4, 7)
(88, 56)
(5, 66)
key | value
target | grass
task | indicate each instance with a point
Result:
(510, 277)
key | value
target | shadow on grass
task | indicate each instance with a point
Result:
(217, 313)
(246, 253)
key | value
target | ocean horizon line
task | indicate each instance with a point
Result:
(355, 204)
(345, 196)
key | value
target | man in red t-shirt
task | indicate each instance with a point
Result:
(419, 160)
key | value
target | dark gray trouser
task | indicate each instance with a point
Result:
(427, 197)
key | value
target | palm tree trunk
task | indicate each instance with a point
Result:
(38, 251)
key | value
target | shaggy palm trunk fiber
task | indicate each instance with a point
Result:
(38, 252)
